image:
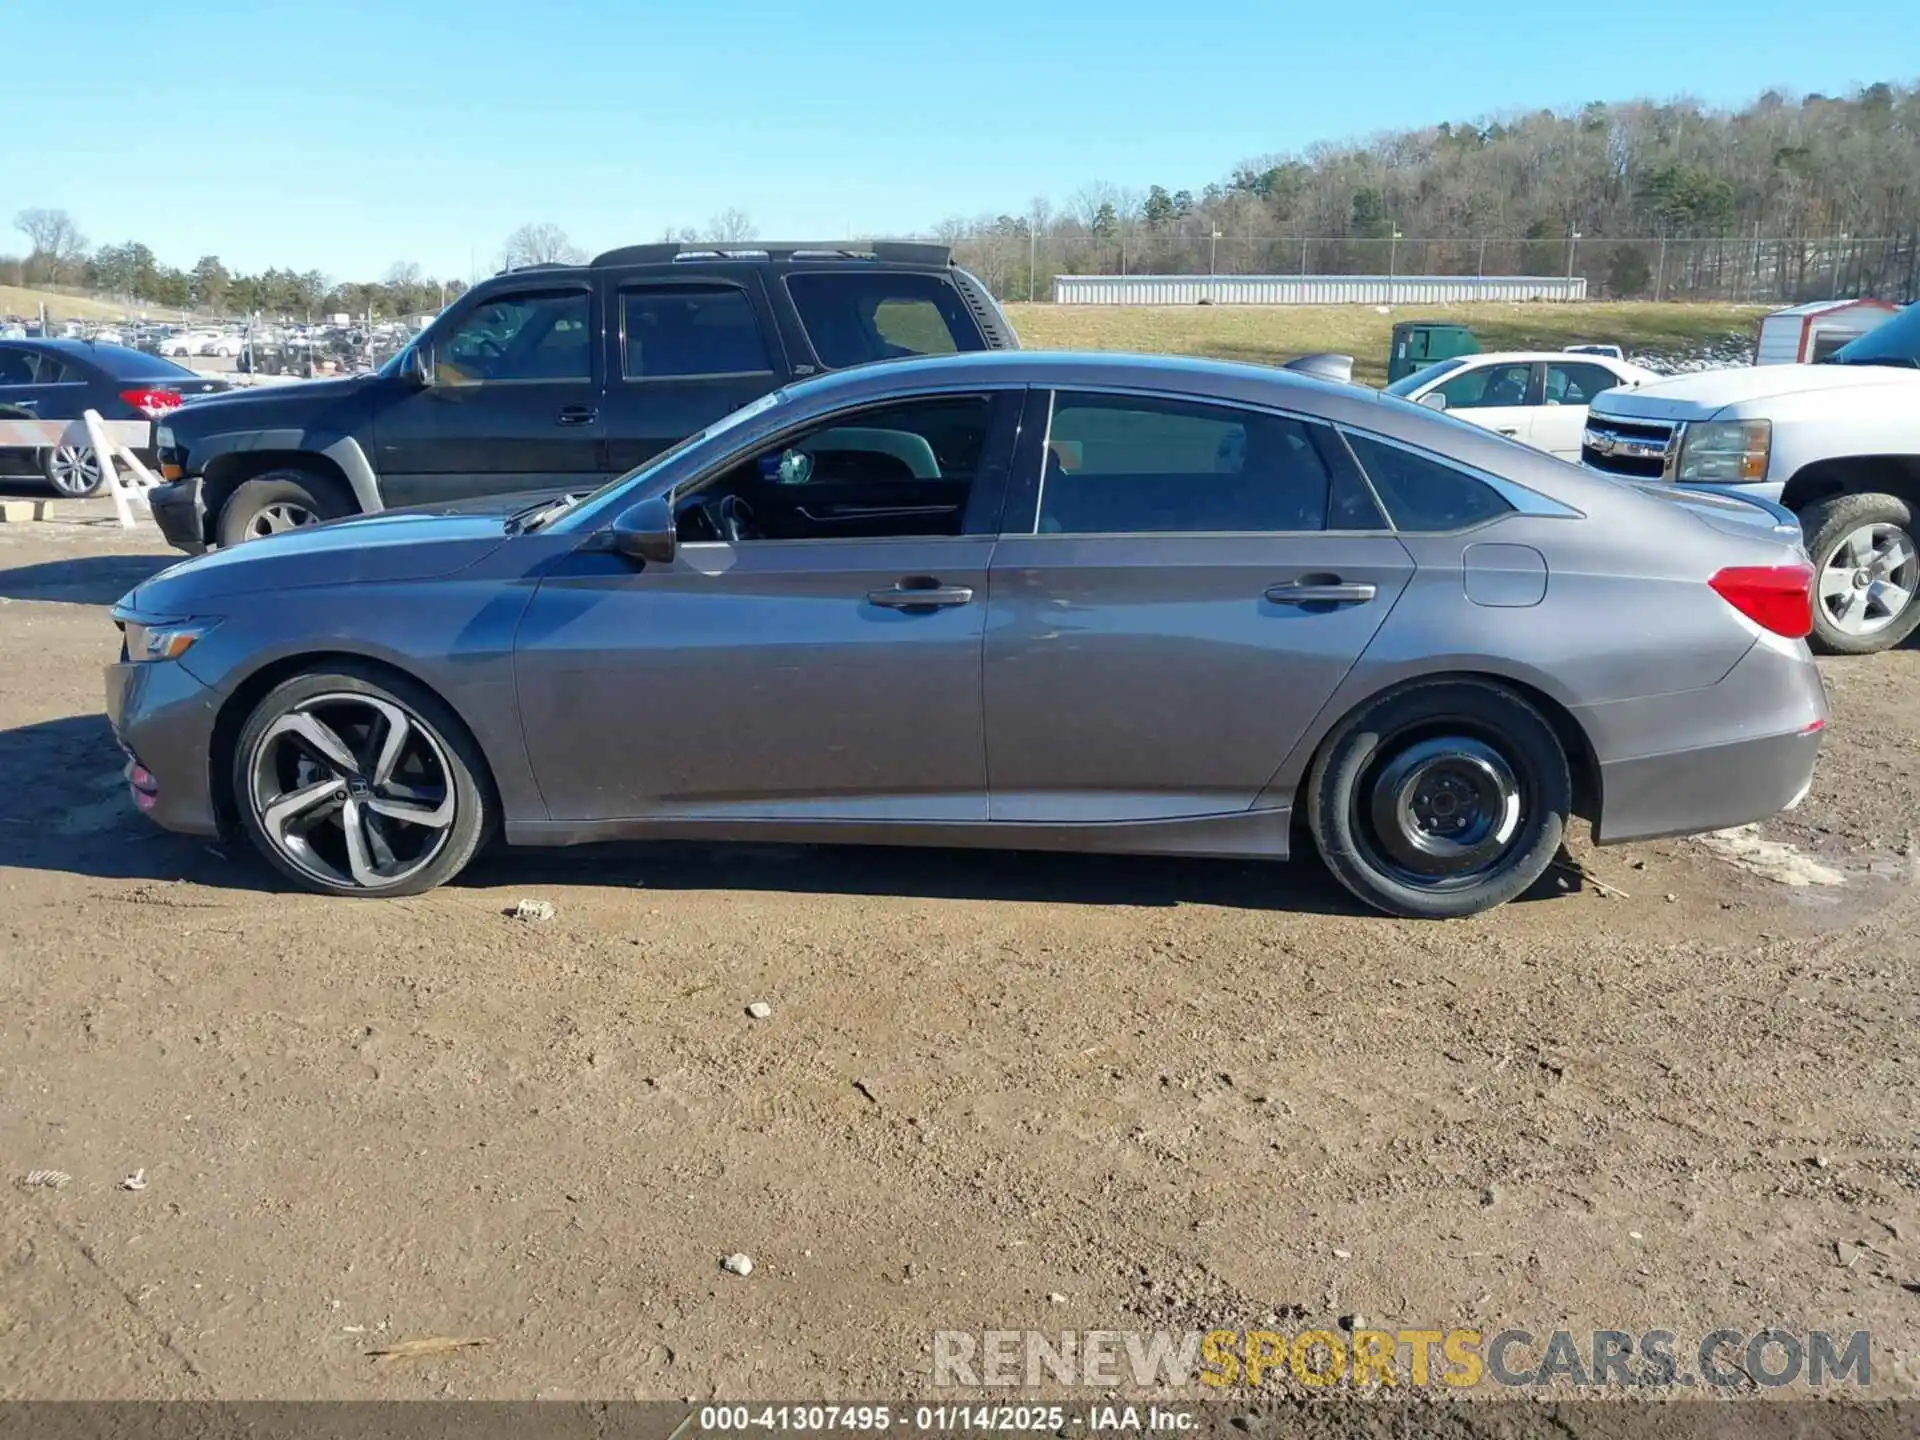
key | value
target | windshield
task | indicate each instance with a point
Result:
(1897, 342)
(589, 505)
(1407, 384)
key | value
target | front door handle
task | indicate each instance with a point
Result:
(576, 415)
(908, 596)
(1333, 594)
(1508, 430)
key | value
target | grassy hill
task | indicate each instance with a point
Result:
(1270, 334)
(16, 301)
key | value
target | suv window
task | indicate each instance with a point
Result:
(1422, 493)
(533, 336)
(674, 331)
(1577, 384)
(855, 317)
(902, 469)
(1486, 386)
(1117, 464)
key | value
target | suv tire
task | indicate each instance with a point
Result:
(1440, 800)
(279, 500)
(1863, 551)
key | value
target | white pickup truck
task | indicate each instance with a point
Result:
(1837, 443)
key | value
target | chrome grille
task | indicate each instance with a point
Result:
(1640, 448)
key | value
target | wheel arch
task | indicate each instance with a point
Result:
(1583, 766)
(1897, 475)
(248, 693)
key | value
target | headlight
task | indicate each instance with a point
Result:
(163, 639)
(1727, 452)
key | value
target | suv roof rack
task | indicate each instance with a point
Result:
(904, 252)
(536, 265)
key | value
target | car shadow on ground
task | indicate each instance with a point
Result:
(64, 807)
(83, 580)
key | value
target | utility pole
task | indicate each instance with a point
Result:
(1573, 239)
(1213, 252)
(1393, 246)
(1033, 253)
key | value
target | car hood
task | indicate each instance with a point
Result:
(424, 543)
(1692, 397)
(240, 397)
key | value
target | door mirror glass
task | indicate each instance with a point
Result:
(1434, 400)
(644, 532)
(417, 368)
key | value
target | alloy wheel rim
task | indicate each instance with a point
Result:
(75, 469)
(1443, 812)
(280, 516)
(1868, 580)
(352, 790)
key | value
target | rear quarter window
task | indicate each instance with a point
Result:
(1423, 493)
(857, 317)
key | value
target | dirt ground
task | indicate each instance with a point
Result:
(996, 1091)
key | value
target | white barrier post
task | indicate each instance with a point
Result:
(109, 471)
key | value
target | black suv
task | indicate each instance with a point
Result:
(558, 377)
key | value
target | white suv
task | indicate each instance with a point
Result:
(1837, 443)
(1539, 396)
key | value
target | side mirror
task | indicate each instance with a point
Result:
(644, 532)
(419, 366)
(1434, 400)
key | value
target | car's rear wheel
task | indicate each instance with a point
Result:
(278, 500)
(1440, 800)
(355, 782)
(1866, 591)
(72, 470)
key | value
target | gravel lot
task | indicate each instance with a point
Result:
(1185, 1094)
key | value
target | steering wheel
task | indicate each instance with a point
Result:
(731, 519)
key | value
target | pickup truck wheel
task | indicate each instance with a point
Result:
(1866, 572)
(278, 500)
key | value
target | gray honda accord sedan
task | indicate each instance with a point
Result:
(1087, 602)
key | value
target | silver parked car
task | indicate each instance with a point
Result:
(1089, 602)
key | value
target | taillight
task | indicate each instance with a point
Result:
(1777, 597)
(153, 403)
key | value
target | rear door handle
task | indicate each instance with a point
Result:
(920, 597)
(1508, 430)
(1335, 594)
(576, 415)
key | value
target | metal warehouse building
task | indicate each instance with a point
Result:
(1311, 289)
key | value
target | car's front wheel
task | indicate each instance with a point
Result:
(355, 782)
(1866, 572)
(1440, 800)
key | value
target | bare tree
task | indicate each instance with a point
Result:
(731, 226)
(56, 240)
(541, 244)
(403, 275)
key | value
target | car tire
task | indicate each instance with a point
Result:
(279, 500)
(1863, 549)
(1440, 800)
(73, 471)
(324, 735)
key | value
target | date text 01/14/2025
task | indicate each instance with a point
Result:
(1012, 1419)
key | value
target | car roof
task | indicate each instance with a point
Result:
(1064, 369)
(1516, 357)
(102, 355)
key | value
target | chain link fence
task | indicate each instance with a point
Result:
(1756, 269)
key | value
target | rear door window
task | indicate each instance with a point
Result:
(680, 331)
(1577, 384)
(858, 316)
(1121, 465)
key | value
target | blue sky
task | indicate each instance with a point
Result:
(347, 134)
